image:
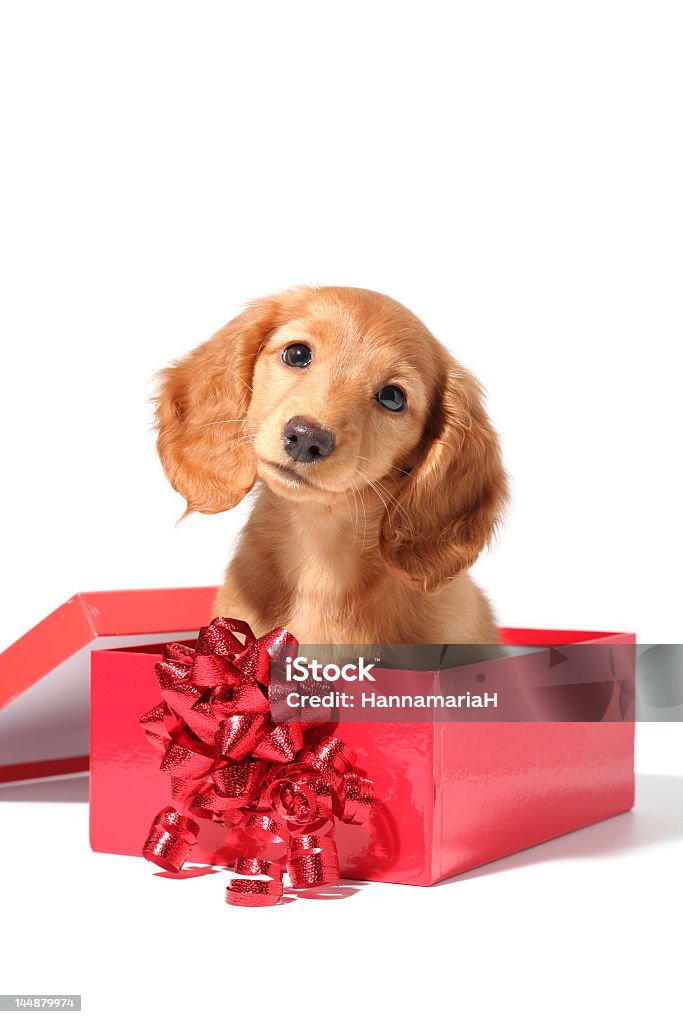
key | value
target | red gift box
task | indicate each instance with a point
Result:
(451, 795)
(45, 675)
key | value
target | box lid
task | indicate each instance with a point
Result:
(44, 676)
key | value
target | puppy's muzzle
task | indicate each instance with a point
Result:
(304, 441)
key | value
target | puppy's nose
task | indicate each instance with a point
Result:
(307, 442)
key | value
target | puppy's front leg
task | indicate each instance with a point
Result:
(250, 592)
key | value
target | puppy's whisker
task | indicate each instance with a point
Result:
(357, 517)
(238, 444)
(339, 528)
(348, 509)
(370, 483)
(399, 469)
(392, 497)
(394, 500)
(353, 517)
(375, 485)
(365, 519)
(361, 514)
(242, 381)
(214, 423)
(356, 496)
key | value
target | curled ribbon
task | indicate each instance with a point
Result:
(230, 763)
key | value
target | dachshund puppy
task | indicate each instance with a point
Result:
(378, 474)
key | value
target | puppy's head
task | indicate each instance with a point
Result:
(324, 392)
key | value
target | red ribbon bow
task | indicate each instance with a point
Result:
(230, 763)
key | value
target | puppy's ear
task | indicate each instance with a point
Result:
(454, 496)
(203, 440)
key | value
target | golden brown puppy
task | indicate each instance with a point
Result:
(379, 474)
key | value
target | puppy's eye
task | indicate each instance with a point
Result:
(391, 397)
(297, 355)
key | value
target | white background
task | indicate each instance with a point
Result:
(583, 929)
(512, 172)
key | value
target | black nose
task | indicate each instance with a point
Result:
(307, 442)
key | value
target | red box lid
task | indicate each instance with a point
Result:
(44, 676)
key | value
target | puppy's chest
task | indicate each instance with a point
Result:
(327, 585)
(322, 571)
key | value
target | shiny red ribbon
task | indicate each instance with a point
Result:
(230, 763)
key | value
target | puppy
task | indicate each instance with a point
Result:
(378, 474)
